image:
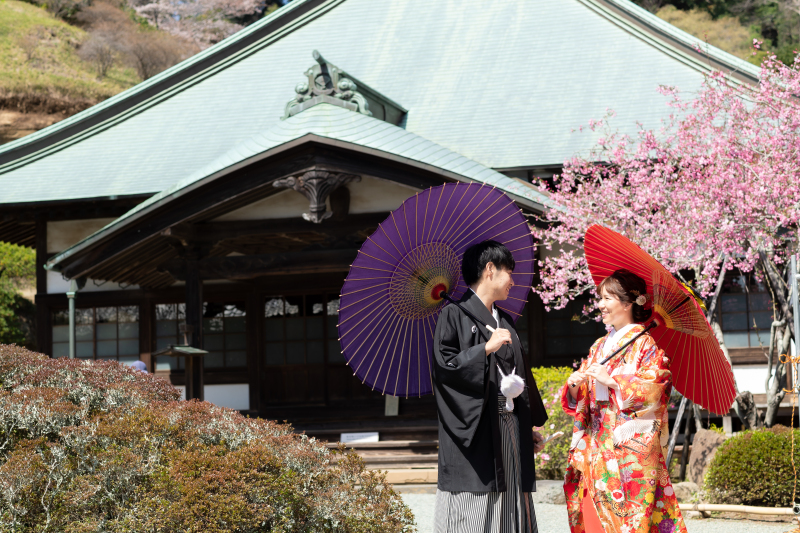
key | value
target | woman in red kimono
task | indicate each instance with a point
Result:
(617, 480)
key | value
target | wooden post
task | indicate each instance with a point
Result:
(43, 323)
(73, 291)
(727, 425)
(194, 323)
(673, 438)
(685, 454)
(254, 322)
(146, 334)
(391, 405)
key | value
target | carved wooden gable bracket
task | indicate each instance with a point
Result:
(316, 185)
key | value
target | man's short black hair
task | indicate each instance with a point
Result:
(478, 255)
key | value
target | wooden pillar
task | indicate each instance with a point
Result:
(194, 321)
(673, 438)
(146, 330)
(254, 323)
(687, 435)
(43, 326)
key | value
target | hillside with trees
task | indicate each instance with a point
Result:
(58, 57)
(733, 24)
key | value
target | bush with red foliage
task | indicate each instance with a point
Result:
(96, 446)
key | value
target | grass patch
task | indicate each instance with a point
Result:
(40, 70)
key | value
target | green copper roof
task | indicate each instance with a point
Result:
(501, 83)
(345, 127)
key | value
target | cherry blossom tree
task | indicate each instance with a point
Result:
(203, 22)
(715, 188)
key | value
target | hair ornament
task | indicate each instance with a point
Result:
(642, 299)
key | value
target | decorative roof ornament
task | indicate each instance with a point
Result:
(329, 84)
(326, 83)
(316, 185)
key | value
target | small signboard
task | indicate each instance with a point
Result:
(359, 437)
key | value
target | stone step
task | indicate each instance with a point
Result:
(388, 445)
(427, 459)
(400, 476)
(417, 432)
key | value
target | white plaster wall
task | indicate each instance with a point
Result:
(750, 378)
(233, 395)
(370, 195)
(64, 233)
(56, 284)
(373, 195)
(285, 204)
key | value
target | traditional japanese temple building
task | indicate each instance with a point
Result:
(232, 191)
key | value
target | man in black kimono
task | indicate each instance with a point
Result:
(486, 452)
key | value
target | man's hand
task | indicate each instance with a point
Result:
(499, 338)
(538, 442)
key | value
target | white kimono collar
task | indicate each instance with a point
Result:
(614, 337)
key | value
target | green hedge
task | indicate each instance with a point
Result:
(551, 463)
(754, 468)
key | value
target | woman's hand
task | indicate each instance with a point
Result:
(499, 338)
(574, 383)
(599, 372)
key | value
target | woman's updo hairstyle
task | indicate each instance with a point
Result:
(628, 287)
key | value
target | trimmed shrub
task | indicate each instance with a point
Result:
(551, 463)
(754, 468)
(96, 446)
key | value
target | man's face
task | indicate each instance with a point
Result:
(500, 280)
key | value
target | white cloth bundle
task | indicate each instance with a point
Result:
(511, 386)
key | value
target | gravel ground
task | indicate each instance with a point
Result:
(552, 518)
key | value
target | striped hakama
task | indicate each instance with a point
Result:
(491, 512)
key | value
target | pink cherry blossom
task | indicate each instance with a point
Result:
(715, 187)
(718, 181)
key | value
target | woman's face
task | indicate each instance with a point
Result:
(614, 312)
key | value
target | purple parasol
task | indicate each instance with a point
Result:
(392, 296)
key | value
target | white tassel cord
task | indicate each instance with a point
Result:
(576, 437)
(631, 428)
(511, 386)
(600, 392)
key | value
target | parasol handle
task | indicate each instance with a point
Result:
(468, 313)
(650, 326)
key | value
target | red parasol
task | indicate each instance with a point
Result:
(700, 370)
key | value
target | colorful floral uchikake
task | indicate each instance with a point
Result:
(616, 451)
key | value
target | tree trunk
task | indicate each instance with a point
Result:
(775, 392)
(781, 334)
(744, 405)
(780, 291)
(698, 419)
